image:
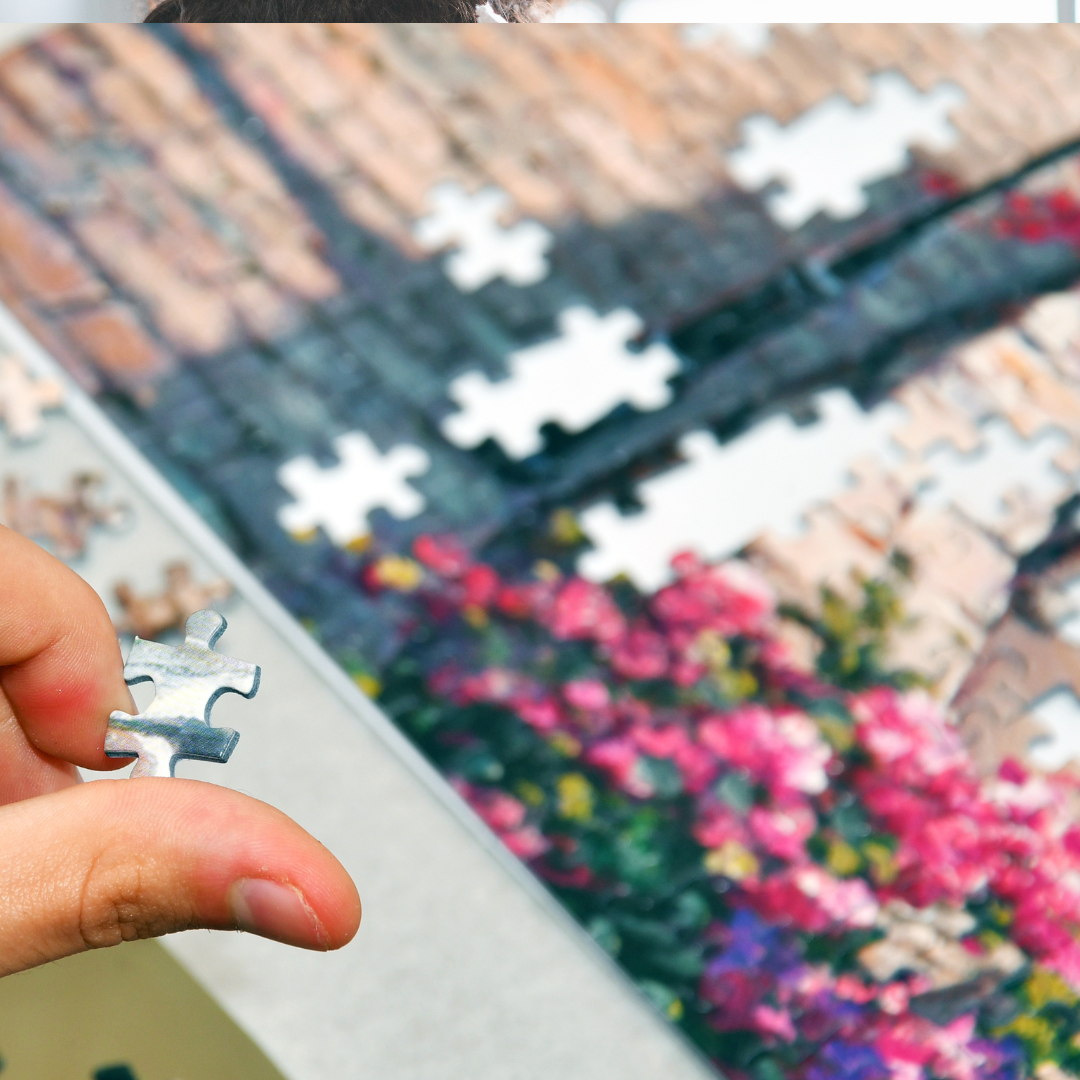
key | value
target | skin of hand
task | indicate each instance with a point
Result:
(90, 865)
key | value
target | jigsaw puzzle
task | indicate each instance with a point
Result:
(573, 381)
(338, 499)
(63, 523)
(486, 249)
(826, 157)
(148, 616)
(23, 399)
(187, 680)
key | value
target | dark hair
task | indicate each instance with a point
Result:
(374, 11)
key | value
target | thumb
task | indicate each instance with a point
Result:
(114, 860)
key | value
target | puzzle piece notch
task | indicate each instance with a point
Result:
(486, 249)
(187, 679)
(23, 399)
(573, 380)
(339, 498)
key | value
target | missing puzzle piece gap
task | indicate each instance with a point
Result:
(187, 680)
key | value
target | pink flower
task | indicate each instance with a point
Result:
(783, 833)
(526, 843)
(785, 752)
(718, 824)
(770, 1021)
(641, 654)
(728, 598)
(589, 695)
(445, 555)
(620, 760)
(481, 584)
(584, 611)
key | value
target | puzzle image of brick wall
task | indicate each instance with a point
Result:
(699, 498)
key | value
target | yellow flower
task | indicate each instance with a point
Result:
(675, 1010)
(842, 858)
(565, 744)
(529, 793)
(711, 649)
(475, 616)
(1036, 1033)
(731, 860)
(575, 797)
(736, 684)
(564, 528)
(368, 683)
(546, 570)
(1044, 986)
(883, 868)
(397, 572)
(836, 733)
(359, 544)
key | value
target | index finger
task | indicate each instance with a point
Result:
(61, 672)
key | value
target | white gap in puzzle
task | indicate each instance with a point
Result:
(726, 495)
(977, 483)
(338, 499)
(573, 380)
(826, 156)
(1059, 713)
(486, 249)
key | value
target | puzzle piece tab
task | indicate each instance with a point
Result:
(486, 249)
(23, 399)
(340, 498)
(574, 381)
(188, 679)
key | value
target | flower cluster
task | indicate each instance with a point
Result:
(807, 874)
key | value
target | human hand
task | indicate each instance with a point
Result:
(90, 865)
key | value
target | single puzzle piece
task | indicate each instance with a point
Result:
(486, 249)
(148, 616)
(188, 679)
(827, 156)
(340, 498)
(574, 381)
(63, 521)
(23, 399)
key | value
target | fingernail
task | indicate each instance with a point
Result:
(276, 911)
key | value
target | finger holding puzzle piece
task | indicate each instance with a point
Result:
(188, 679)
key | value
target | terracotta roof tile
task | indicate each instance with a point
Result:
(41, 261)
(113, 337)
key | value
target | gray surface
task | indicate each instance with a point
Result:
(463, 968)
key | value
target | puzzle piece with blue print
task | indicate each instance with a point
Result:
(188, 679)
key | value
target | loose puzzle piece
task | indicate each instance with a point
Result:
(63, 522)
(486, 249)
(340, 498)
(23, 399)
(148, 616)
(827, 156)
(188, 679)
(574, 381)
